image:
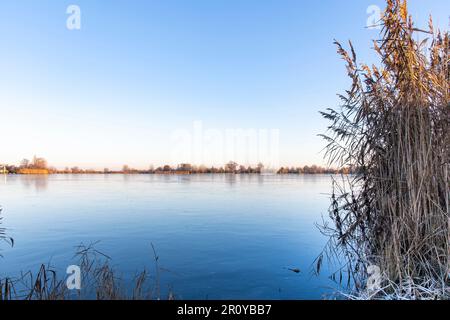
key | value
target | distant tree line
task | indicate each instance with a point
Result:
(40, 165)
(36, 165)
(315, 170)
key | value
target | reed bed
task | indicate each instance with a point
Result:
(393, 127)
(99, 280)
(3, 236)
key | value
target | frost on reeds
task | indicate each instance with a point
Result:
(393, 126)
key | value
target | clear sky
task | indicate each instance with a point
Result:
(137, 72)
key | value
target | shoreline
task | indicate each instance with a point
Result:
(175, 173)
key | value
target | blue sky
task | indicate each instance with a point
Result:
(115, 91)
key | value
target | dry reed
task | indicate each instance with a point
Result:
(99, 281)
(394, 127)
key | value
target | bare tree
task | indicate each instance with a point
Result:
(230, 167)
(39, 163)
(25, 163)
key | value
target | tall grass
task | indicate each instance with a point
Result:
(99, 281)
(394, 127)
(3, 236)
